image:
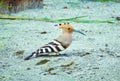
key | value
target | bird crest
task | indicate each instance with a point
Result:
(66, 27)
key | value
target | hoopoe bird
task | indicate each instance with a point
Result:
(57, 45)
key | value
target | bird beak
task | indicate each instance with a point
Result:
(56, 25)
(79, 32)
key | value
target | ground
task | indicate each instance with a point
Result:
(94, 57)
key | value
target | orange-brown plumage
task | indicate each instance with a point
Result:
(66, 28)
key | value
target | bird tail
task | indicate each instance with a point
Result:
(33, 55)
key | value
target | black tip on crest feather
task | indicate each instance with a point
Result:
(64, 23)
(59, 24)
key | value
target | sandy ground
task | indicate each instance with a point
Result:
(95, 57)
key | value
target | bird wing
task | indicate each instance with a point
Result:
(54, 46)
(47, 49)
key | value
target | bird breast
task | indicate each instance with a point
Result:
(65, 39)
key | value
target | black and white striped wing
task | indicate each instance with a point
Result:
(52, 47)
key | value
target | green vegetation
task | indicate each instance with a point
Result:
(105, 0)
(1, 3)
(78, 19)
(70, 19)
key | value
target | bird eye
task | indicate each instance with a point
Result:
(68, 28)
(59, 24)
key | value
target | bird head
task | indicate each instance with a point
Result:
(67, 28)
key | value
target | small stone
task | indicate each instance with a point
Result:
(86, 7)
(106, 45)
(44, 74)
(70, 72)
(102, 77)
(65, 7)
(6, 65)
(67, 65)
(28, 68)
(44, 32)
(101, 56)
(87, 53)
(118, 18)
(118, 56)
(42, 62)
(95, 67)
(19, 52)
(53, 73)
(3, 65)
(102, 50)
(45, 4)
(50, 69)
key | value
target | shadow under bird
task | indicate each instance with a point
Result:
(59, 44)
